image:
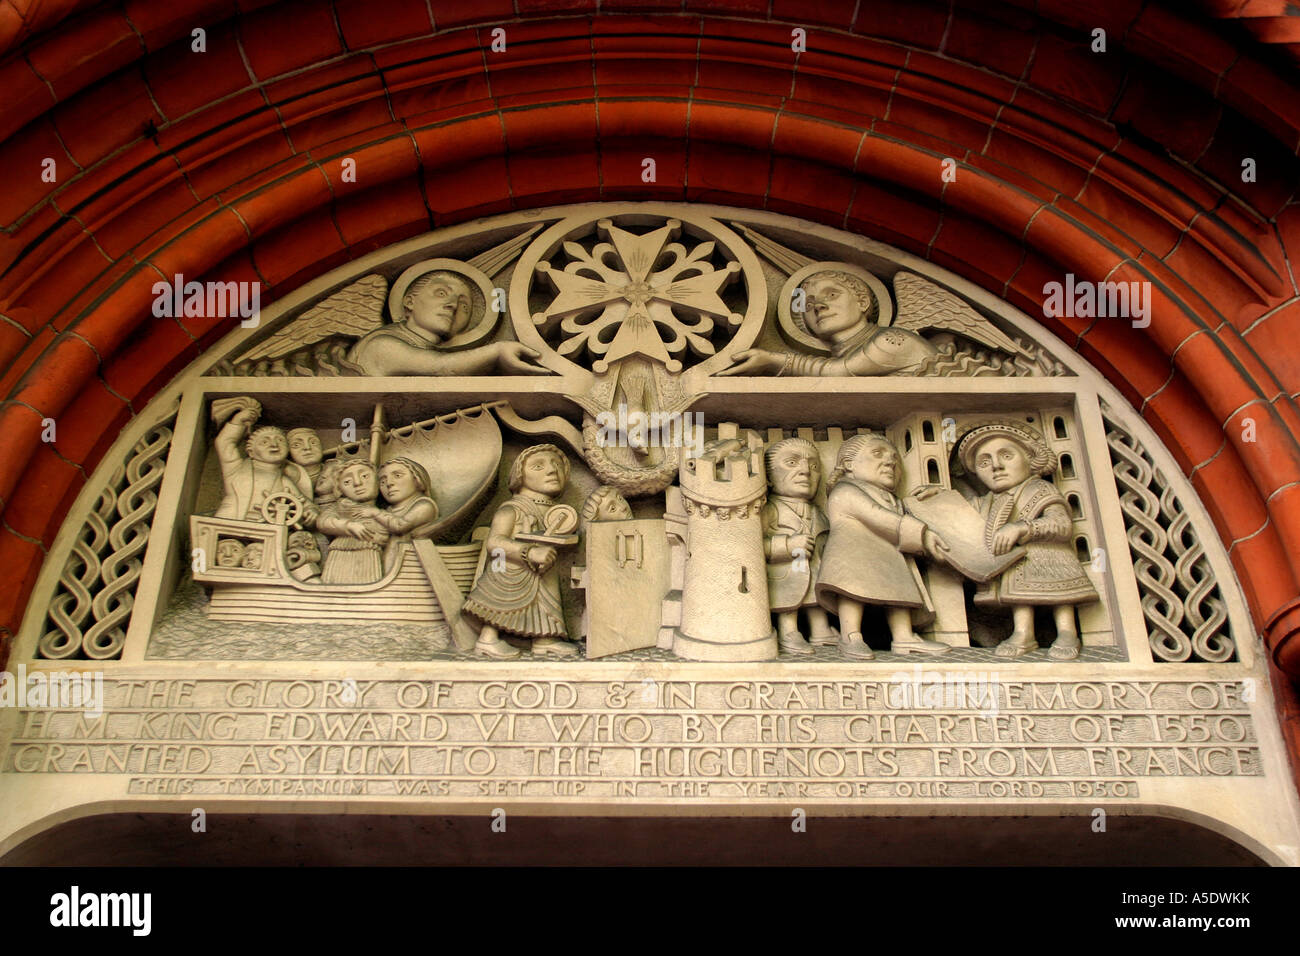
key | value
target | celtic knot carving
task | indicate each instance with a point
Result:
(96, 591)
(1181, 601)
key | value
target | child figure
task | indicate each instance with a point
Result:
(867, 557)
(1012, 460)
(794, 531)
(523, 598)
(357, 538)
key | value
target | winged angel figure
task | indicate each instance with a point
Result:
(438, 323)
(843, 313)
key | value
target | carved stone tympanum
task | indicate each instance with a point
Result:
(641, 506)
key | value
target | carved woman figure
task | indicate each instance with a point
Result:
(1012, 461)
(357, 538)
(794, 533)
(411, 513)
(519, 590)
(868, 554)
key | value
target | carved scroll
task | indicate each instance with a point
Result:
(1184, 609)
(92, 603)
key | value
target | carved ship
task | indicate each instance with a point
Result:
(272, 595)
(426, 581)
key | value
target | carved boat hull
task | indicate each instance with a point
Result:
(270, 594)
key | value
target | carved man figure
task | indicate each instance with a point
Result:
(435, 308)
(306, 451)
(841, 311)
(261, 469)
(794, 531)
(869, 556)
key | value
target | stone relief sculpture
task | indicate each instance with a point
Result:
(852, 321)
(435, 307)
(841, 314)
(373, 556)
(519, 591)
(794, 534)
(1022, 507)
(357, 537)
(441, 313)
(256, 473)
(648, 323)
(869, 554)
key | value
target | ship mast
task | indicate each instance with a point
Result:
(377, 431)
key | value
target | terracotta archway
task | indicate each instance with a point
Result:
(228, 164)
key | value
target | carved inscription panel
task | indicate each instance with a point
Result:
(645, 739)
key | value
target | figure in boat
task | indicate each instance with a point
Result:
(411, 513)
(357, 536)
(260, 470)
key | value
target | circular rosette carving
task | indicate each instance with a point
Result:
(674, 288)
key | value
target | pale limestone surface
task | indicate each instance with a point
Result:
(644, 307)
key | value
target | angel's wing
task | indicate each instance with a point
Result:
(355, 310)
(924, 305)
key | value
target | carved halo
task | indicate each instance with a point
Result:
(792, 324)
(482, 318)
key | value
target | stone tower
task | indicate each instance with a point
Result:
(725, 614)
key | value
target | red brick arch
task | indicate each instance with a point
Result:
(226, 165)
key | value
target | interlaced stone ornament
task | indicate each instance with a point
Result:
(621, 503)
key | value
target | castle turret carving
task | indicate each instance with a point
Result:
(725, 613)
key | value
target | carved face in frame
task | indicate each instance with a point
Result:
(794, 469)
(230, 553)
(357, 482)
(835, 309)
(253, 556)
(1001, 463)
(268, 445)
(877, 463)
(438, 304)
(305, 447)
